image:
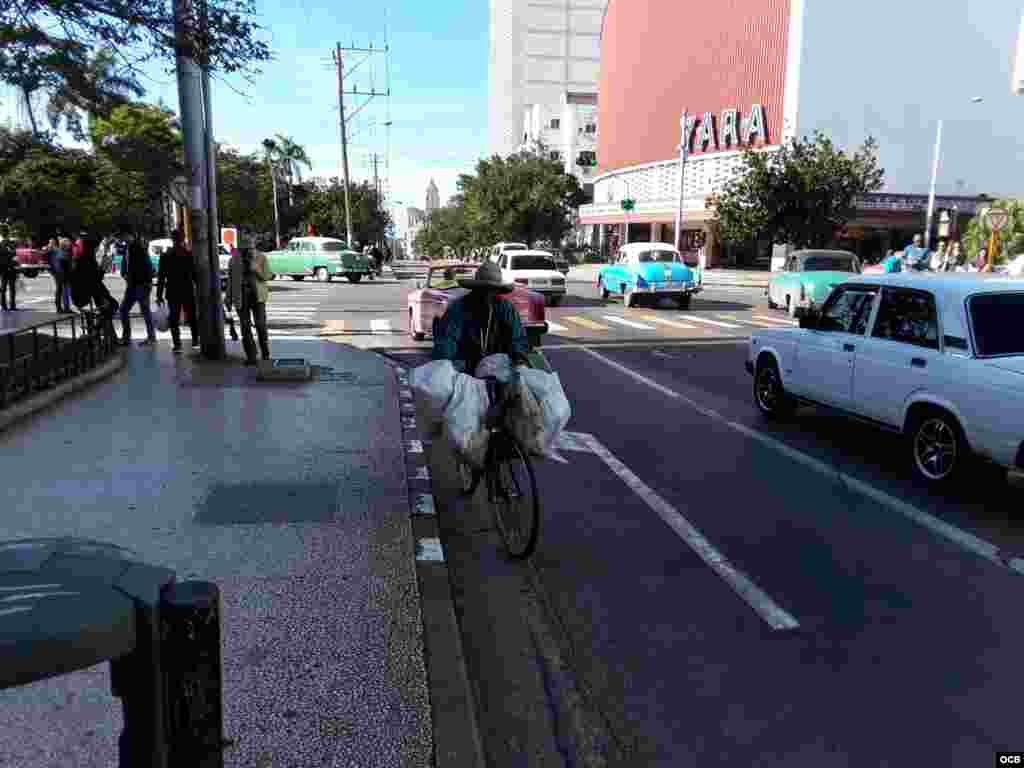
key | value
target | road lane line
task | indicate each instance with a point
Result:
(556, 327)
(629, 323)
(670, 323)
(760, 324)
(586, 323)
(718, 323)
(774, 615)
(777, 320)
(963, 539)
(380, 325)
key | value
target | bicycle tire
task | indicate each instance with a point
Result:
(519, 529)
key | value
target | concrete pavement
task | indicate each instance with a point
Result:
(293, 499)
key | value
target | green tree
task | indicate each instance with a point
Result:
(525, 196)
(290, 157)
(49, 191)
(324, 209)
(801, 194)
(447, 232)
(1011, 237)
(244, 194)
(94, 89)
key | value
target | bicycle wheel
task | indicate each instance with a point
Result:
(513, 495)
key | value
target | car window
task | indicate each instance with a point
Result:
(531, 262)
(516, 247)
(847, 311)
(446, 279)
(334, 247)
(830, 264)
(660, 256)
(997, 319)
(909, 317)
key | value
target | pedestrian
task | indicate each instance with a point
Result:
(915, 255)
(58, 261)
(66, 260)
(138, 276)
(248, 274)
(955, 257)
(178, 277)
(87, 287)
(8, 273)
(892, 262)
(938, 258)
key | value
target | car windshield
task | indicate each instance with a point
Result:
(830, 264)
(334, 247)
(532, 262)
(997, 319)
(513, 248)
(663, 256)
(445, 279)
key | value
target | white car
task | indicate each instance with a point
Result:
(499, 248)
(536, 271)
(938, 358)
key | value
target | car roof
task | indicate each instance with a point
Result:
(505, 245)
(533, 253)
(631, 248)
(823, 252)
(317, 239)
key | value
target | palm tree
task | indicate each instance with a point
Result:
(292, 157)
(271, 151)
(95, 89)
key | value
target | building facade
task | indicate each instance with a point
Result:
(15, 114)
(543, 79)
(758, 74)
(433, 201)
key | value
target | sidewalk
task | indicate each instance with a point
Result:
(747, 278)
(292, 498)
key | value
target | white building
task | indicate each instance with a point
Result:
(14, 108)
(433, 198)
(543, 77)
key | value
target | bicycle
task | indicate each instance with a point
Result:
(510, 481)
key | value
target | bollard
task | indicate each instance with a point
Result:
(191, 658)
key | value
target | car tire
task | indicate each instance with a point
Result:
(30, 273)
(683, 302)
(605, 293)
(771, 304)
(628, 297)
(790, 307)
(298, 278)
(416, 335)
(354, 277)
(769, 395)
(320, 275)
(556, 300)
(938, 449)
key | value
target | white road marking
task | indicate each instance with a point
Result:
(429, 551)
(424, 505)
(961, 538)
(380, 325)
(630, 323)
(670, 323)
(556, 327)
(413, 446)
(774, 615)
(777, 320)
(720, 324)
(760, 324)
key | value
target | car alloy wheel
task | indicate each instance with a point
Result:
(790, 306)
(320, 275)
(937, 447)
(604, 291)
(769, 394)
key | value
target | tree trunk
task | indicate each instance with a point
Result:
(31, 112)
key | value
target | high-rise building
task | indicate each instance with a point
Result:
(543, 79)
(433, 197)
(14, 108)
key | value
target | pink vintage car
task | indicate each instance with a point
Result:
(429, 301)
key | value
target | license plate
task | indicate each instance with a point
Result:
(540, 282)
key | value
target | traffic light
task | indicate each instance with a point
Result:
(628, 204)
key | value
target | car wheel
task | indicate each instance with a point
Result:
(938, 449)
(416, 335)
(354, 277)
(320, 275)
(684, 301)
(30, 273)
(771, 304)
(298, 278)
(556, 300)
(769, 394)
(790, 307)
(628, 297)
(604, 291)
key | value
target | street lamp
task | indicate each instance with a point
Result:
(683, 149)
(935, 175)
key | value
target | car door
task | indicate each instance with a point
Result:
(824, 355)
(902, 354)
(780, 285)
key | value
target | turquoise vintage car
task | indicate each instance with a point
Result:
(808, 277)
(653, 270)
(321, 258)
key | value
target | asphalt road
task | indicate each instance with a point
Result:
(710, 589)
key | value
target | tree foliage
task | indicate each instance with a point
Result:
(525, 196)
(802, 194)
(447, 233)
(324, 210)
(1011, 238)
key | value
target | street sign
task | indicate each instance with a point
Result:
(997, 218)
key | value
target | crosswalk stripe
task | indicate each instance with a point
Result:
(725, 317)
(380, 325)
(779, 320)
(556, 327)
(586, 323)
(671, 323)
(630, 323)
(697, 319)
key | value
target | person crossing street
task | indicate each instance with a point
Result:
(137, 271)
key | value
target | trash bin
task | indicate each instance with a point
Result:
(72, 603)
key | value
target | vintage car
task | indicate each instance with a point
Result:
(431, 298)
(30, 260)
(535, 270)
(499, 248)
(654, 270)
(937, 358)
(322, 258)
(807, 278)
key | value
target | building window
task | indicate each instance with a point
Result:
(590, 128)
(555, 155)
(555, 123)
(586, 159)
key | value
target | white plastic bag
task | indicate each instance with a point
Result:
(554, 405)
(464, 419)
(434, 384)
(499, 366)
(525, 419)
(161, 317)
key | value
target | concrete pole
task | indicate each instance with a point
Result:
(344, 142)
(931, 193)
(216, 347)
(682, 170)
(193, 129)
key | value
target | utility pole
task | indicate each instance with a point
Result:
(343, 120)
(197, 135)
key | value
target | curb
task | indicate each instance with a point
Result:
(457, 742)
(25, 408)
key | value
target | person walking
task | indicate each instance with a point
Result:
(248, 275)
(138, 276)
(177, 276)
(57, 259)
(916, 255)
(8, 274)
(892, 263)
(955, 258)
(88, 288)
(939, 258)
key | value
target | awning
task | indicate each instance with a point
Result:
(647, 217)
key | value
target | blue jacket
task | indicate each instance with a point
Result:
(460, 333)
(918, 257)
(892, 263)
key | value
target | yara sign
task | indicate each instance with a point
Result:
(731, 130)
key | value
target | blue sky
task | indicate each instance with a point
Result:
(439, 58)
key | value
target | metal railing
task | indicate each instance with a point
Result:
(43, 354)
